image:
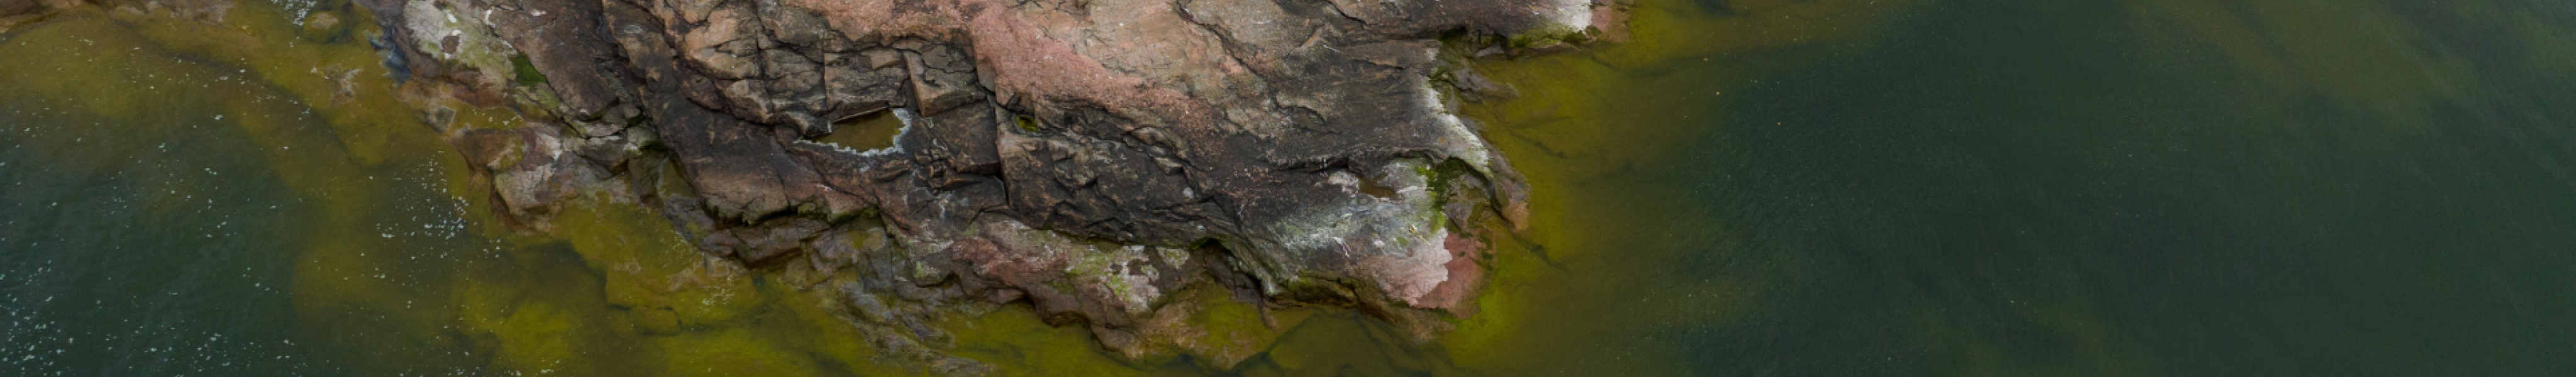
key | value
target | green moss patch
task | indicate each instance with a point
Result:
(525, 72)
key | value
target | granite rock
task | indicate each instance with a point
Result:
(1089, 157)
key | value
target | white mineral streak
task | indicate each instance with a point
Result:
(908, 120)
(475, 47)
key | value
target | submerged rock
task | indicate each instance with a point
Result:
(1091, 157)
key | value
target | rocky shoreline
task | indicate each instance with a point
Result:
(1089, 157)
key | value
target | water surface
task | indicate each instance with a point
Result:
(1836, 187)
(2145, 187)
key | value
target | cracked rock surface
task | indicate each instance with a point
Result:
(1087, 156)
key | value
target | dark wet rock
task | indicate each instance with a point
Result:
(531, 172)
(764, 245)
(15, 8)
(1090, 157)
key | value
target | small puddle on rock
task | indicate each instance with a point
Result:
(871, 131)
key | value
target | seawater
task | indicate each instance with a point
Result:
(1751, 187)
(2141, 187)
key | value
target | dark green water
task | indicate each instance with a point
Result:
(2050, 198)
(107, 262)
(1754, 188)
(2182, 188)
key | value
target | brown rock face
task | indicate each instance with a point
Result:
(1090, 156)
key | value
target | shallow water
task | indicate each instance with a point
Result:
(1836, 187)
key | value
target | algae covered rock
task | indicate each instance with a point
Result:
(1091, 158)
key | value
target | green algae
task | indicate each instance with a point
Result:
(524, 72)
(612, 290)
(538, 323)
(348, 153)
(1221, 333)
(1020, 343)
(1027, 123)
(1570, 131)
(733, 352)
(649, 267)
(1551, 35)
(612, 287)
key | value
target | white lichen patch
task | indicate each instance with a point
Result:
(1570, 14)
(1395, 241)
(440, 32)
(1174, 256)
(1123, 273)
(1456, 140)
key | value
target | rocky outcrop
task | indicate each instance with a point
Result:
(1088, 156)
